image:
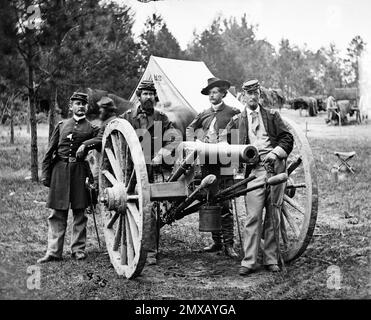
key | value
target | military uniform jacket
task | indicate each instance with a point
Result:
(203, 120)
(67, 179)
(157, 142)
(277, 131)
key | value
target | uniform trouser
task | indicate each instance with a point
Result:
(153, 235)
(57, 223)
(270, 199)
(226, 234)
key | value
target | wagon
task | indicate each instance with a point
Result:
(128, 199)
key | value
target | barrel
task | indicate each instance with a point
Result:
(210, 218)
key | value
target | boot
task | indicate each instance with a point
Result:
(214, 247)
(229, 251)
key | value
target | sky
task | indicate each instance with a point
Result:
(310, 23)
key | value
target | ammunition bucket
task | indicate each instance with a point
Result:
(210, 218)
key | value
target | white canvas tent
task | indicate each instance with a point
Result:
(178, 84)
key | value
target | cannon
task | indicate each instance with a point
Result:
(127, 198)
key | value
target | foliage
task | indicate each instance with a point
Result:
(157, 40)
(354, 51)
(232, 51)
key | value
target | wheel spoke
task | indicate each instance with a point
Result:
(123, 249)
(133, 231)
(113, 219)
(114, 164)
(131, 183)
(110, 177)
(129, 243)
(116, 144)
(290, 221)
(126, 164)
(132, 197)
(293, 204)
(118, 234)
(284, 232)
(134, 212)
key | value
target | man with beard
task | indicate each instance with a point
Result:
(265, 130)
(144, 118)
(211, 121)
(65, 173)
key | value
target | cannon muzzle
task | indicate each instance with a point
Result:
(221, 153)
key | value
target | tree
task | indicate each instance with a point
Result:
(19, 31)
(218, 51)
(354, 51)
(157, 40)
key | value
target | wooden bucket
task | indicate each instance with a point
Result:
(210, 218)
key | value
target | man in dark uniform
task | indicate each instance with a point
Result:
(144, 118)
(212, 121)
(265, 130)
(65, 174)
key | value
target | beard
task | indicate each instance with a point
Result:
(148, 106)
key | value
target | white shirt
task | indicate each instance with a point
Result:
(260, 140)
(211, 133)
(78, 118)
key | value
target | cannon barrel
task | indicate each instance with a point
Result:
(221, 153)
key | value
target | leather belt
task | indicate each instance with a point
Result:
(70, 159)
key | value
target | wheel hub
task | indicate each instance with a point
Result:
(114, 197)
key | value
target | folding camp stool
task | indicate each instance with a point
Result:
(343, 158)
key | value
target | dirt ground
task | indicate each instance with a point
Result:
(184, 271)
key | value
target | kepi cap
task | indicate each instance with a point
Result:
(251, 85)
(79, 96)
(147, 85)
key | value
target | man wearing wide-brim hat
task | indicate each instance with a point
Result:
(209, 124)
(264, 129)
(65, 173)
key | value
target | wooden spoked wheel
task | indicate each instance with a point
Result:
(124, 193)
(300, 205)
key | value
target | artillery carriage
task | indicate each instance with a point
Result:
(127, 198)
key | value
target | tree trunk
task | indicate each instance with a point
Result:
(12, 122)
(33, 123)
(28, 116)
(52, 108)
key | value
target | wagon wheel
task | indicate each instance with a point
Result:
(300, 205)
(125, 196)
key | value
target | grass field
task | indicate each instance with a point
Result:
(184, 272)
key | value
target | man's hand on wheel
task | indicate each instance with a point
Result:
(80, 151)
